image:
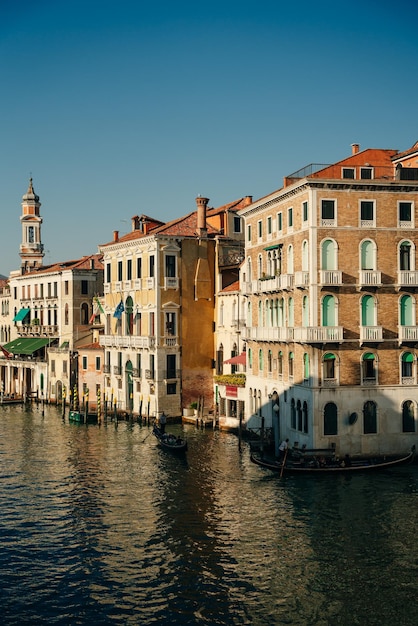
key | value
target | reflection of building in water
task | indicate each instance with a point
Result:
(330, 280)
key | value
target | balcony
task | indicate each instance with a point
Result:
(150, 283)
(170, 341)
(330, 278)
(117, 370)
(36, 330)
(268, 284)
(171, 282)
(301, 279)
(149, 374)
(370, 278)
(319, 334)
(407, 334)
(371, 334)
(268, 334)
(286, 281)
(407, 278)
(126, 341)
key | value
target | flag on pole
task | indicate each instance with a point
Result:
(6, 353)
(99, 306)
(119, 310)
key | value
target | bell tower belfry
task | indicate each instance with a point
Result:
(31, 248)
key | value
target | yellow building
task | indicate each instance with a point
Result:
(159, 301)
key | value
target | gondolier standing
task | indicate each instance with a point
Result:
(163, 421)
(282, 449)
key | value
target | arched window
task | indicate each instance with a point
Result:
(305, 256)
(260, 266)
(406, 313)
(129, 313)
(220, 360)
(405, 256)
(369, 418)
(328, 311)
(330, 419)
(260, 314)
(408, 417)
(368, 255)
(369, 367)
(368, 311)
(249, 315)
(221, 314)
(280, 364)
(407, 365)
(290, 260)
(281, 321)
(328, 255)
(306, 366)
(250, 357)
(66, 315)
(299, 415)
(305, 417)
(270, 361)
(249, 271)
(329, 366)
(291, 364)
(291, 312)
(293, 414)
(260, 360)
(305, 311)
(267, 313)
(84, 314)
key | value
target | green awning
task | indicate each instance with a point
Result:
(408, 357)
(274, 247)
(19, 317)
(369, 356)
(26, 345)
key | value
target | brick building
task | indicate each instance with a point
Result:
(331, 279)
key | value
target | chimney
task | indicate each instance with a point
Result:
(355, 148)
(202, 204)
(115, 235)
(92, 264)
(248, 200)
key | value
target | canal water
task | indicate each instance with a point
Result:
(98, 525)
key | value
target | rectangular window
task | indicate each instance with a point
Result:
(366, 173)
(98, 363)
(151, 266)
(405, 211)
(53, 367)
(171, 389)
(305, 211)
(120, 270)
(171, 366)
(290, 217)
(108, 272)
(328, 210)
(170, 266)
(66, 288)
(269, 227)
(348, 172)
(84, 287)
(367, 210)
(129, 269)
(84, 362)
(56, 290)
(249, 233)
(260, 229)
(139, 267)
(152, 366)
(138, 364)
(237, 224)
(64, 367)
(170, 323)
(279, 222)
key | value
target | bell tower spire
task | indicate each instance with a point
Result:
(31, 248)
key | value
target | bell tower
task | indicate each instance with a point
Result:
(31, 248)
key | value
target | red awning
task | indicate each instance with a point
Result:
(240, 359)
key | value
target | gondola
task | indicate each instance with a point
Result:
(312, 465)
(169, 441)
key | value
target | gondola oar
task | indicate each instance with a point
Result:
(284, 462)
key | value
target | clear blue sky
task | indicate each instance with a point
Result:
(118, 108)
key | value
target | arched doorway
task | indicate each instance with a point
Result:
(129, 401)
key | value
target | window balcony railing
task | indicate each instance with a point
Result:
(330, 277)
(171, 374)
(407, 278)
(136, 372)
(370, 278)
(149, 374)
(36, 330)
(106, 368)
(371, 334)
(301, 279)
(171, 282)
(408, 380)
(286, 281)
(268, 334)
(268, 284)
(126, 341)
(319, 334)
(150, 283)
(407, 333)
(170, 341)
(117, 370)
(118, 286)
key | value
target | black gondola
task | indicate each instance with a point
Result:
(169, 441)
(317, 465)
